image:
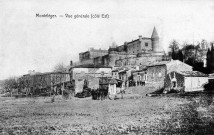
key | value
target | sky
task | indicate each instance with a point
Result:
(35, 43)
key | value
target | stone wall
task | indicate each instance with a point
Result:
(179, 78)
(156, 74)
(96, 72)
(142, 60)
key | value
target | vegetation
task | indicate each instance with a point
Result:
(147, 115)
(60, 67)
(9, 85)
(193, 55)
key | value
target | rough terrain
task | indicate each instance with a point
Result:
(131, 115)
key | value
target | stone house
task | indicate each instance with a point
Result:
(115, 74)
(186, 81)
(123, 75)
(139, 75)
(125, 72)
(157, 71)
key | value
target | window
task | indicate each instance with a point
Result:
(145, 76)
(198, 82)
(174, 84)
(146, 44)
(153, 74)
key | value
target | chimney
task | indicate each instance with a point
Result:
(140, 36)
(29, 71)
(71, 63)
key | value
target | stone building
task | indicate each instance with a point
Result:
(136, 52)
(187, 81)
(111, 58)
(157, 71)
(141, 45)
(88, 56)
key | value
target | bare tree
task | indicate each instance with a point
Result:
(56, 79)
(60, 67)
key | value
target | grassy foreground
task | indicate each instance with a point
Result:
(139, 115)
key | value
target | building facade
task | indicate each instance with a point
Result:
(139, 51)
(92, 70)
(88, 56)
(157, 71)
(187, 81)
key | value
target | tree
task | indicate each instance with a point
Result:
(210, 60)
(204, 44)
(10, 84)
(174, 45)
(60, 67)
(180, 55)
(194, 56)
(174, 48)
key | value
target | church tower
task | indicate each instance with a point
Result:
(155, 41)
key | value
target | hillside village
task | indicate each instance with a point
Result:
(110, 67)
(140, 62)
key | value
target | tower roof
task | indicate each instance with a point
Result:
(154, 33)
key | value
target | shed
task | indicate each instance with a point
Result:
(112, 87)
(187, 80)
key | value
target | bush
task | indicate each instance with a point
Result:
(209, 87)
(85, 93)
(189, 118)
(159, 91)
(66, 94)
(182, 121)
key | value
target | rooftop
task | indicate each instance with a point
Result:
(158, 63)
(90, 66)
(154, 33)
(193, 74)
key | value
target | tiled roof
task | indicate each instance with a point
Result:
(88, 77)
(158, 63)
(91, 66)
(134, 71)
(115, 70)
(211, 74)
(193, 74)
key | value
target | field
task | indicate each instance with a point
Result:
(135, 114)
